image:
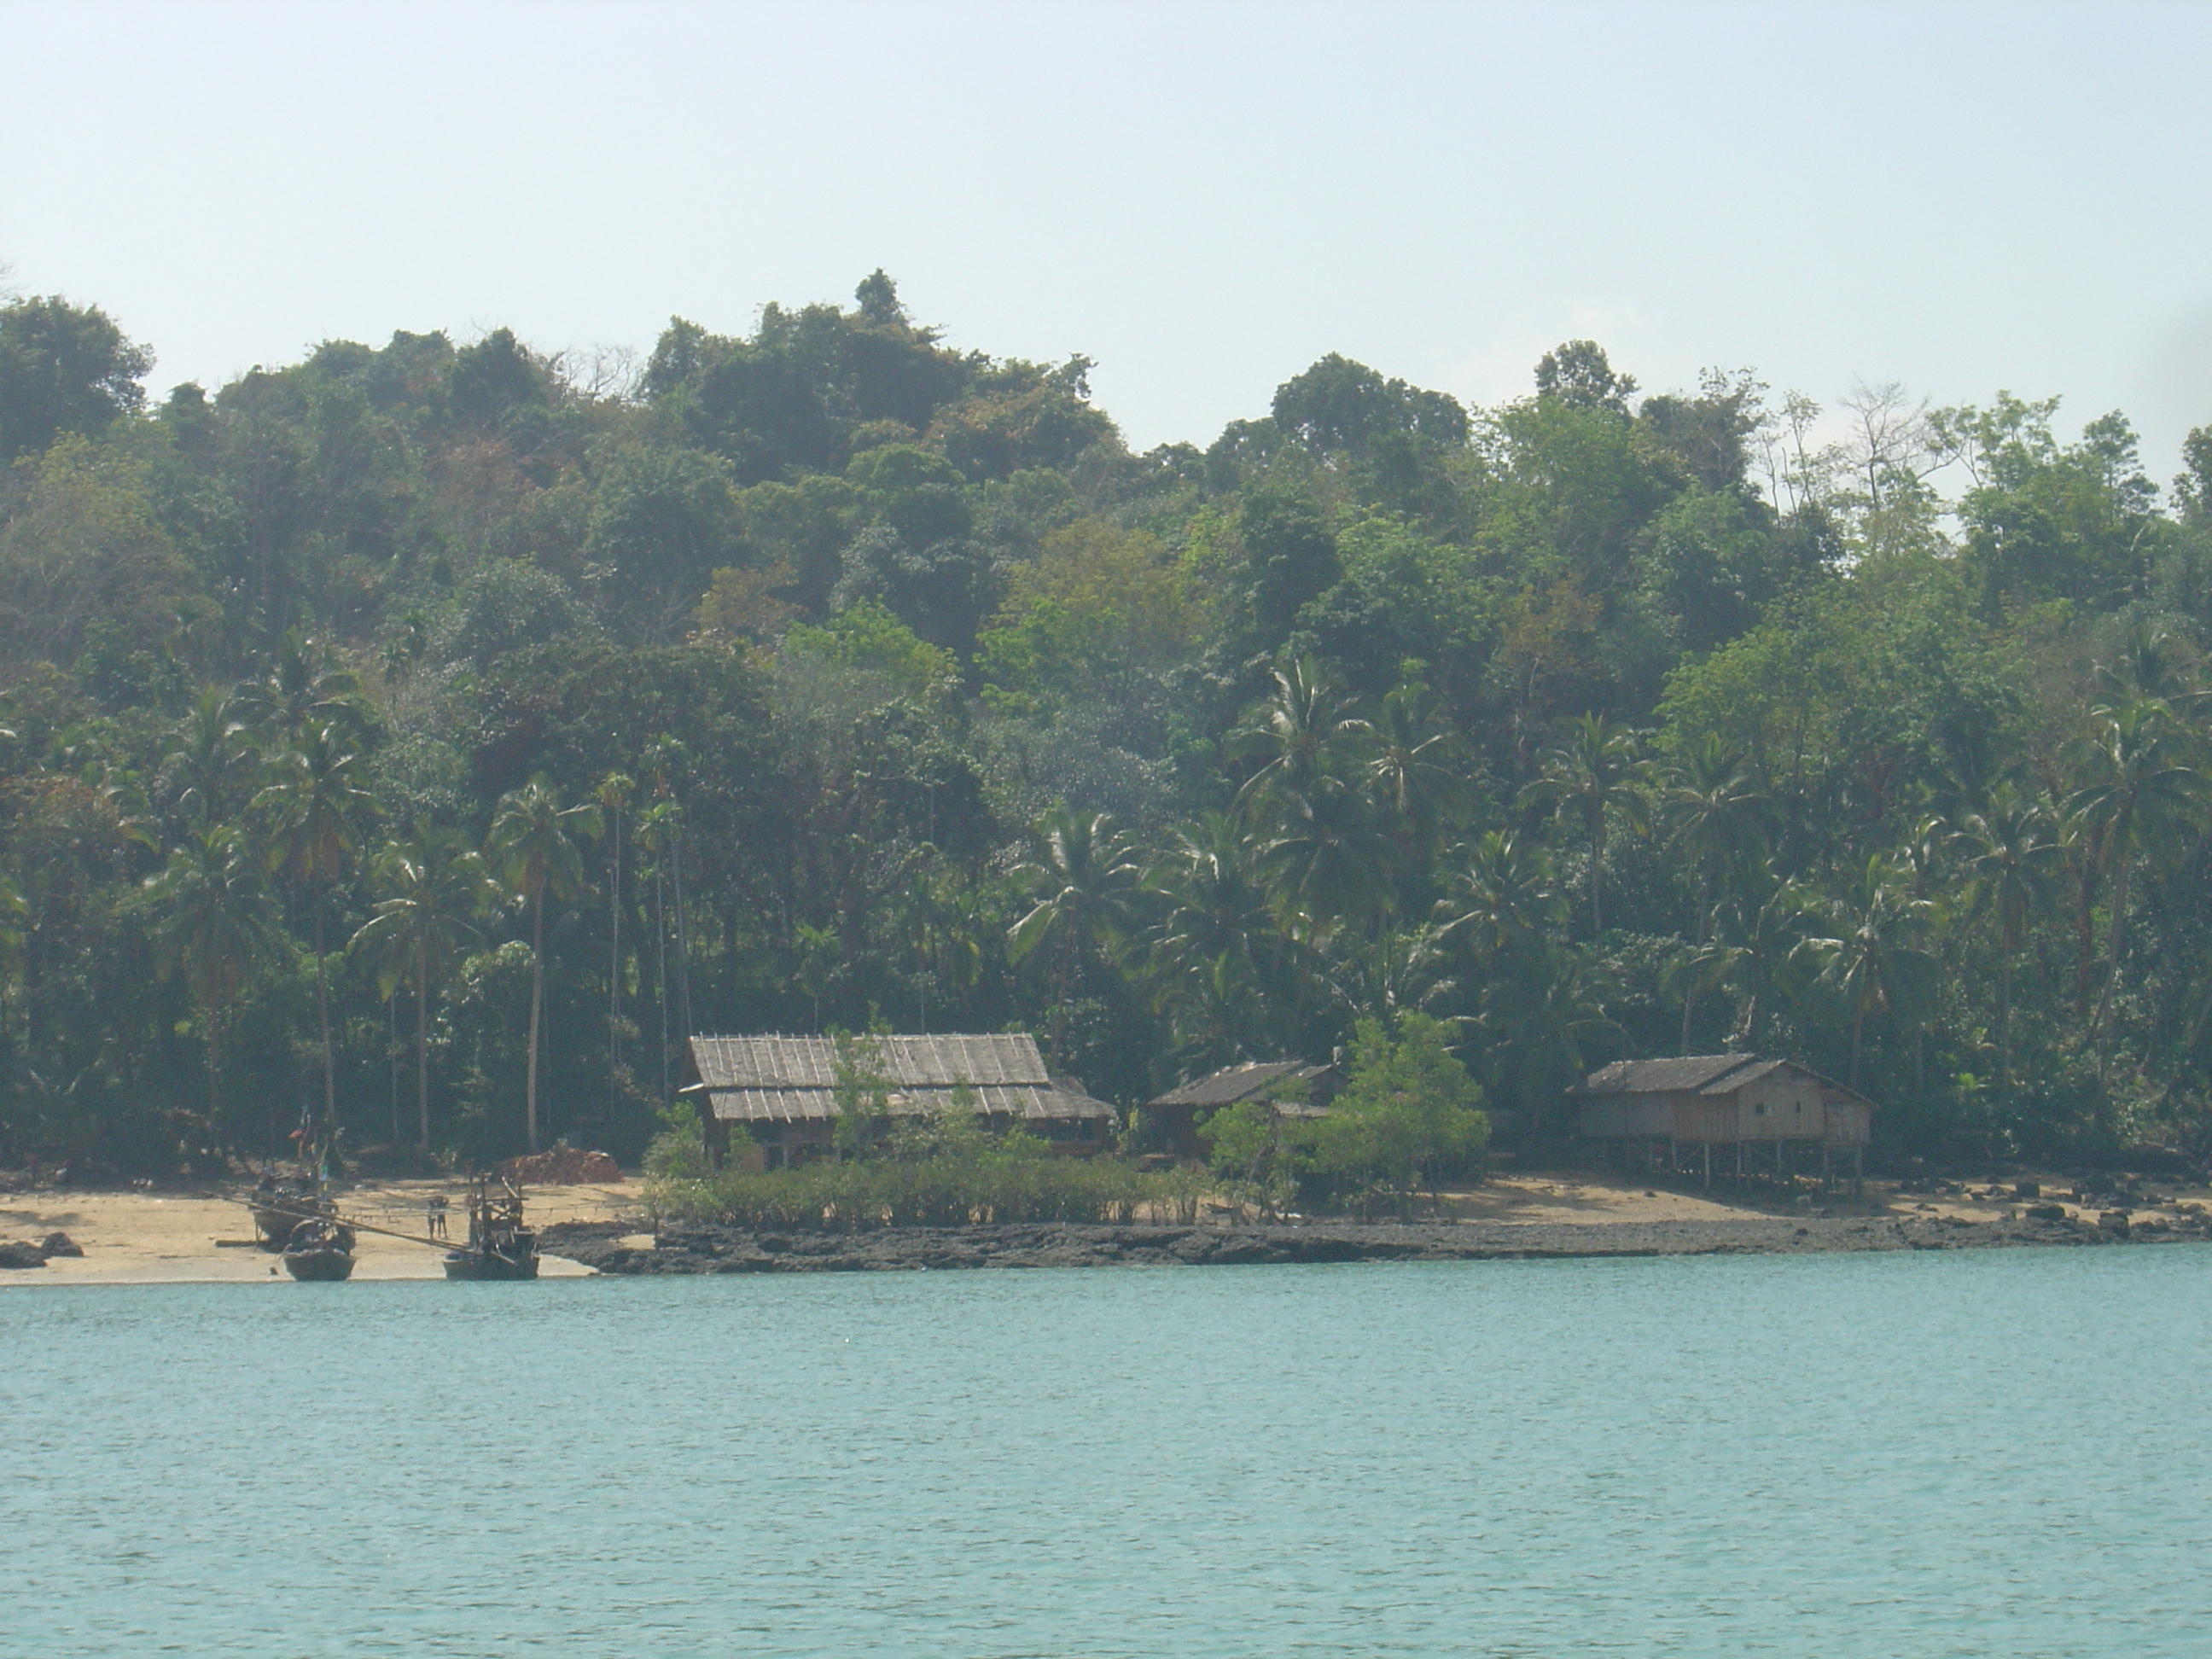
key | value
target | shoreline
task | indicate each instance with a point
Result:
(695, 1249)
(197, 1235)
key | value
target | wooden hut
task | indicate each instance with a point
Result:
(1180, 1113)
(1749, 1115)
(782, 1089)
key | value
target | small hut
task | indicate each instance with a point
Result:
(1750, 1115)
(1181, 1111)
(782, 1089)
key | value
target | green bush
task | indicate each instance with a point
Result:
(939, 1173)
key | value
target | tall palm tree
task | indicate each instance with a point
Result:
(434, 886)
(533, 842)
(307, 685)
(1078, 885)
(212, 927)
(2144, 790)
(1414, 768)
(2015, 863)
(1598, 773)
(1505, 899)
(210, 759)
(1304, 733)
(1203, 950)
(1716, 815)
(1330, 860)
(1874, 956)
(316, 809)
(614, 795)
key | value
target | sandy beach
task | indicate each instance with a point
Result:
(200, 1235)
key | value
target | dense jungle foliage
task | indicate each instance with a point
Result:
(430, 735)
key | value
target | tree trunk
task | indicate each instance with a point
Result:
(2004, 1020)
(422, 1040)
(323, 1015)
(614, 982)
(537, 1007)
(683, 945)
(2115, 942)
(1596, 886)
(1858, 1031)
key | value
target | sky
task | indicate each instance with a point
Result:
(1203, 199)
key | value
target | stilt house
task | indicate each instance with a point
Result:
(1739, 1113)
(782, 1089)
(1180, 1113)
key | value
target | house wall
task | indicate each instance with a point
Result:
(1784, 1105)
(1850, 1122)
(1608, 1117)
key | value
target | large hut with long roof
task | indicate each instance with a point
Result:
(783, 1089)
(1748, 1115)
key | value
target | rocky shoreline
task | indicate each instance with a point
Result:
(694, 1248)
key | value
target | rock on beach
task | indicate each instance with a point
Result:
(696, 1249)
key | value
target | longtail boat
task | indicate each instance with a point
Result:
(320, 1248)
(500, 1246)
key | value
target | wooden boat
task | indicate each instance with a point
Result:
(319, 1249)
(277, 1205)
(500, 1246)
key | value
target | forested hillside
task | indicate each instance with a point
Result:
(444, 731)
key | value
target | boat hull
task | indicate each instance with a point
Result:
(490, 1267)
(321, 1266)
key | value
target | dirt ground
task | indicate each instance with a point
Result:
(202, 1235)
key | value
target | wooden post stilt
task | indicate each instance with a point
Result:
(1709, 1166)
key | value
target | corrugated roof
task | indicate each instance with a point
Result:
(1235, 1083)
(781, 1078)
(1680, 1075)
(1701, 1075)
(810, 1063)
(792, 1105)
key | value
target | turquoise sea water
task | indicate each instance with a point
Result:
(2003, 1452)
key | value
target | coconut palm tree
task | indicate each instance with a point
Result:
(209, 760)
(533, 845)
(1597, 774)
(2144, 792)
(2016, 864)
(434, 886)
(212, 927)
(1874, 956)
(316, 809)
(1078, 885)
(1304, 733)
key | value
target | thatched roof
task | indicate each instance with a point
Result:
(1699, 1074)
(780, 1078)
(1234, 1083)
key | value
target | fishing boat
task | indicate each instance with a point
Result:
(277, 1205)
(500, 1246)
(320, 1248)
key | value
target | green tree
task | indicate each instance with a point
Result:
(63, 368)
(316, 809)
(211, 928)
(434, 886)
(1408, 1110)
(1597, 774)
(2143, 792)
(533, 843)
(1875, 956)
(2015, 865)
(1078, 885)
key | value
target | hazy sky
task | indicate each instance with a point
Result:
(1203, 199)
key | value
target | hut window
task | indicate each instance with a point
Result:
(1759, 1110)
